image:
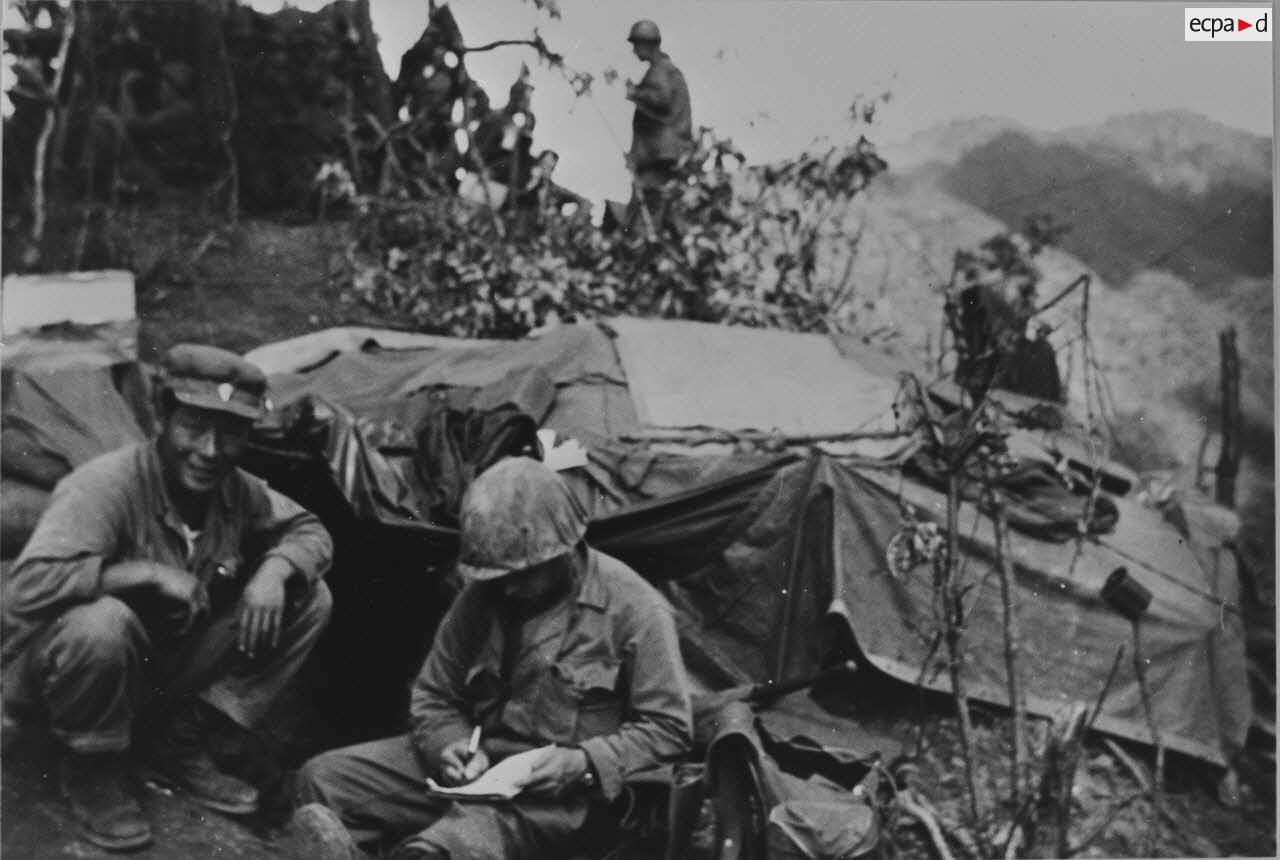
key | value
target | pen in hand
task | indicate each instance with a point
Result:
(473, 747)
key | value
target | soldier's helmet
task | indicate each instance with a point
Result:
(515, 515)
(645, 31)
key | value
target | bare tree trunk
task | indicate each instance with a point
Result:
(1229, 458)
(949, 594)
(86, 79)
(1140, 669)
(483, 169)
(1061, 760)
(1012, 636)
(38, 214)
(229, 127)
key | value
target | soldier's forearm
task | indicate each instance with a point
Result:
(276, 566)
(306, 549)
(652, 103)
(129, 575)
(635, 747)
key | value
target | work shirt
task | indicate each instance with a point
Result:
(662, 126)
(115, 508)
(601, 670)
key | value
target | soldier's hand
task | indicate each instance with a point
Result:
(557, 772)
(261, 610)
(184, 588)
(456, 768)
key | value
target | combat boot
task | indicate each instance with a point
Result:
(316, 833)
(95, 786)
(180, 759)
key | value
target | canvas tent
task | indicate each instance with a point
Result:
(775, 560)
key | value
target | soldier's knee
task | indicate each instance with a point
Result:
(317, 780)
(322, 600)
(103, 631)
(477, 831)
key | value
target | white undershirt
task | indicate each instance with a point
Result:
(190, 535)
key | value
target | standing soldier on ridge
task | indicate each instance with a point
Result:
(662, 127)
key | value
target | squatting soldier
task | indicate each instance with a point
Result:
(550, 644)
(164, 595)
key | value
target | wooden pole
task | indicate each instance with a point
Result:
(1229, 458)
(728, 437)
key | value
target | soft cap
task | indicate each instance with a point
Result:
(207, 377)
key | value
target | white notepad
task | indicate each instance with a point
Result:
(503, 781)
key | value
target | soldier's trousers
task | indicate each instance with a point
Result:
(95, 669)
(378, 789)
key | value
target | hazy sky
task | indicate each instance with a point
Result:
(776, 75)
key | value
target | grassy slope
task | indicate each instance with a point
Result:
(255, 283)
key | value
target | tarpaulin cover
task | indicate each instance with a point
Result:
(379, 400)
(774, 560)
(687, 374)
(807, 556)
(62, 408)
(70, 393)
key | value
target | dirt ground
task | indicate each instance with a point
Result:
(265, 281)
(36, 824)
(891, 718)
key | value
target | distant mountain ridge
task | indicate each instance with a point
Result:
(1181, 149)
(1175, 149)
(1121, 222)
(1167, 190)
(946, 143)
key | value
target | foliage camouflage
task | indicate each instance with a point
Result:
(741, 245)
